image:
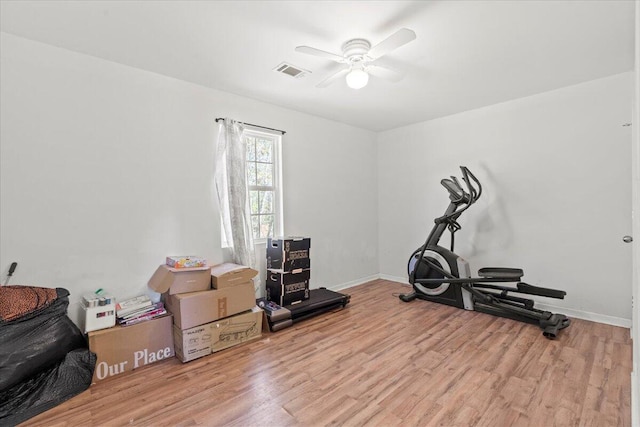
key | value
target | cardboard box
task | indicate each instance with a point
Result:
(125, 348)
(198, 308)
(286, 288)
(206, 339)
(186, 261)
(229, 274)
(288, 253)
(180, 280)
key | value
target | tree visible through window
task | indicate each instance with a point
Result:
(262, 179)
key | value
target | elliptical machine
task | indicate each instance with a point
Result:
(439, 275)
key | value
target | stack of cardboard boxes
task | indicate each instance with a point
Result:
(213, 308)
(288, 270)
(202, 320)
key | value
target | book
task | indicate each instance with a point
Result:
(141, 318)
(141, 311)
(132, 304)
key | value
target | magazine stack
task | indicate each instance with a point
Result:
(138, 309)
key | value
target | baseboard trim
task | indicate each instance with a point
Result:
(586, 315)
(402, 280)
(578, 314)
(353, 283)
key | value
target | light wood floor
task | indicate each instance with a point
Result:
(380, 362)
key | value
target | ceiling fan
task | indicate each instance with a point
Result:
(360, 58)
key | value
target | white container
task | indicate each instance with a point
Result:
(99, 312)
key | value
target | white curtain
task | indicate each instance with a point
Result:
(233, 193)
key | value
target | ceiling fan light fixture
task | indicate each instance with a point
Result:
(357, 78)
(358, 58)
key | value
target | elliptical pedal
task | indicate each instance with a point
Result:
(526, 288)
(501, 273)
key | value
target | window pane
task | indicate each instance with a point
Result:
(251, 173)
(265, 174)
(266, 225)
(255, 225)
(254, 199)
(266, 202)
(251, 148)
(263, 150)
(261, 156)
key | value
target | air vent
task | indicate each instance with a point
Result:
(291, 70)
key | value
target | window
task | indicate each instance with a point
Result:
(263, 179)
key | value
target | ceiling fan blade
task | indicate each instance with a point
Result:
(321, 53)
(394, 41)
(331, 79)
(385, 72)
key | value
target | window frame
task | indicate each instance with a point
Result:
(276, 186)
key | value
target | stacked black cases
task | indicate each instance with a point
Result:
(288, 288)
(288, 270)
(289, 299)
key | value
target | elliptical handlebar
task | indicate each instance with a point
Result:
(474, 192)
(459, 195)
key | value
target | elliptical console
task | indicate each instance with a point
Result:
(437, 274)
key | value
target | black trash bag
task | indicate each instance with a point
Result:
(37, 341)
(48, 388)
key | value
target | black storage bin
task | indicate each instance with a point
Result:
(286, 288)
(288, 253)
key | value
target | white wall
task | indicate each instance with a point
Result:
(106, 169)
(557, 179)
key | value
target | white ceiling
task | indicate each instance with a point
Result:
(467, 54)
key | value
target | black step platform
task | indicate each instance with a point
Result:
(320, 301)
